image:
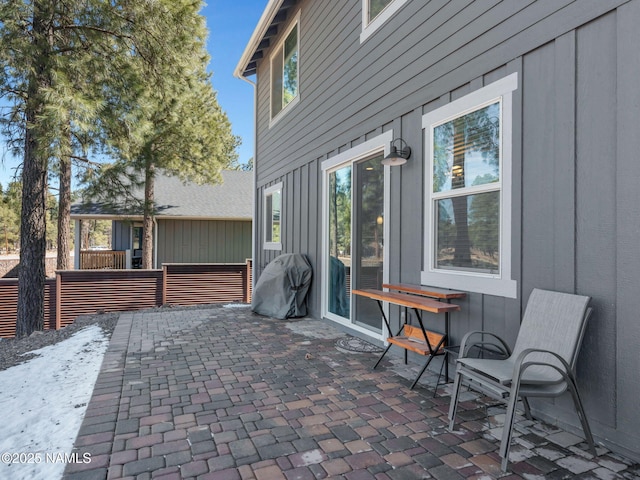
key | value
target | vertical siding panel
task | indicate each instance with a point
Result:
(228, 240)
(315, 234)
(296, 246)
(628, 222)
(239, 253)
(565, 168)
(204, 245)
(212, 232)
(177, 241)
(165, 247)
(538, 170)
(596, 209)
(247, 240)
(221, 241)
(290, 200)
(303, 220)
(412, 178)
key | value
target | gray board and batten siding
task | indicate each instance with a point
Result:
(203, 241)
(195, 240)
(576, 114)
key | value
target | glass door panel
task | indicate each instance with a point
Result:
(339, 230)
(355, 239)
(368, 251)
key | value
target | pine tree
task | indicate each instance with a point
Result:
(178, 126)
(84, 74)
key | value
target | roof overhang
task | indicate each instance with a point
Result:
(274, 14)
(132, 218)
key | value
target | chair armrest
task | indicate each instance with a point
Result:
(467, 344)
(520, 364)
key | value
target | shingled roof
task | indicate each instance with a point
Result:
(230, 200)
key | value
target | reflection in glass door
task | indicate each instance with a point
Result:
(355, 232)
(368, 251)
(340, 242)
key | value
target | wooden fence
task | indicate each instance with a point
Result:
(101, 260)
(9, 306)
(86, 292)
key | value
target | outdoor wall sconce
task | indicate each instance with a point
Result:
(397, 156)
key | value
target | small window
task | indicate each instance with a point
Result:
(284, 72)
(375, 7)
(376, 13)
(273, 217)
(468, 215)
(137, 237)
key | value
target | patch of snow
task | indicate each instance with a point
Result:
(44, 401)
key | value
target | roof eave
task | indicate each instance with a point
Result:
(264, 23)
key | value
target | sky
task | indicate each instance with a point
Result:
(230, 24)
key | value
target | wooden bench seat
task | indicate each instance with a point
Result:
(433, 292)
(412, 339)
(406, 300)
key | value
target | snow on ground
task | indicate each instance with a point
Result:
(43, 402)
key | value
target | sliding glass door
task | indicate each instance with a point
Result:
(354, 234)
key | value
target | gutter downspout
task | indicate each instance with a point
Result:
(255, 168)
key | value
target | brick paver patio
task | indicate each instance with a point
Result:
(221, 393)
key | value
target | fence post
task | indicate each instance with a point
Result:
(58, 301)
(247, 283)
(164, 284)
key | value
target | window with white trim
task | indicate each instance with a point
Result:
(285, 90)
(377, 12)
(468, 211)
(273, 217)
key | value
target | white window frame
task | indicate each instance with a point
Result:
(379, 144)
(279, 50)
(368, 28)
(266, 245)
(500, 284)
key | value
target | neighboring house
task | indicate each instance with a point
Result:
(193, 223)
(522, 118)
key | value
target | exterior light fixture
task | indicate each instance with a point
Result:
(397, 156)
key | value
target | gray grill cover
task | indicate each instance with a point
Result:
(282, 288)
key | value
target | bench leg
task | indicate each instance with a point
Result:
(422, 371)
(382, 356)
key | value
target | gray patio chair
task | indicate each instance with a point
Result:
(542, 363)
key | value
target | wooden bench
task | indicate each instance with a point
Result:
(409, 337)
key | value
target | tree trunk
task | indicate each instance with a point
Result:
(147, 226)
(64, 209)
(33, 241)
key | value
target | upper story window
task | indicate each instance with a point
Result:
(273, 217)
(375, 7)
(375, 13)
(285, 90)
(468, 214)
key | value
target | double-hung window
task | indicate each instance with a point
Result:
(273, 217)
(285, 90)
(468, 214)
